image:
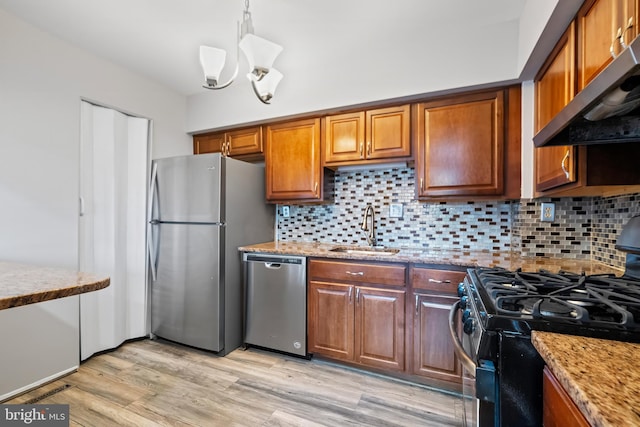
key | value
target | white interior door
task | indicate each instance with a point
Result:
(113, 188)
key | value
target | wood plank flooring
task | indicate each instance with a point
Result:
(156, 383)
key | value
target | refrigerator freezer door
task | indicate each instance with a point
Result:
(187, 292)
(188, 189)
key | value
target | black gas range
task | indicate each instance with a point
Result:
(500, 308)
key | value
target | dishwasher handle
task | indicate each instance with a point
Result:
(273, 265)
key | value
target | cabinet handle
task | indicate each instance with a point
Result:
(315, 189)
(358, 296)
(629, 26)
(357, 273)
(228, 148)
(613, 42)
(368, 148)
(350, 293)
(361, 149)
(421, 184)
(439, 281)
(417, 300)
(564, 168)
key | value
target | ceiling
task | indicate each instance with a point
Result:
(160, 38)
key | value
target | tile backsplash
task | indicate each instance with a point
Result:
(583, 227)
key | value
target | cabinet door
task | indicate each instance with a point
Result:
(208, 143)
(433, 352)
(460, 146)
(555, 166)
(388, 133)
(380, 318)
(603, 27)
(245, 142)
(558, 410)
(292, 161)
(554, 89)
(331, 320)
(344, 138)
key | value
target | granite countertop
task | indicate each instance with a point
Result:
(22, 284)
(508, 260)
(601, 376)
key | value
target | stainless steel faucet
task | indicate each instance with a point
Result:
(370, 229)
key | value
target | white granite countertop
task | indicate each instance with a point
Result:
(22, 284)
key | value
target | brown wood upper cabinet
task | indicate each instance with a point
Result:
(461, 145)
(581, 170)
(604, 28)
(292, 162)
(352, 318)
(243, 144)
(554, 89)
(373, 136)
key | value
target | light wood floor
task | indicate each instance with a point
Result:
(145, 383)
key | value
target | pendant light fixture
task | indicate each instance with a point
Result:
(260, 54)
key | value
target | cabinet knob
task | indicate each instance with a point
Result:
(357, 273)
(613, 42)
(629, 26)
(562, 165)
(439, 281)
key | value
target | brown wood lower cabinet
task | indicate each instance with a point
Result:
(380, 327)
(433, 293)
(433, 353)
(363, 313)
(558, 410)
(356, 312)
(331, 320)
(358, 324)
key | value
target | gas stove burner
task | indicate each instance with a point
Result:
(542, 299)
(537, 307)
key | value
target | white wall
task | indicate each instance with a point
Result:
(437, 56)
(42, 80)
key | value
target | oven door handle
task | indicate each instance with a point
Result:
(465, 359)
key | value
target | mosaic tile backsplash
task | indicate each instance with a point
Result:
(583, 228)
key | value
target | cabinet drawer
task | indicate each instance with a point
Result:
(436, 280)
(384, 274)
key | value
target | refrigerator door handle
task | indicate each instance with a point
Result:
(151, 241)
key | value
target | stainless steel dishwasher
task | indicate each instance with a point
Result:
(276, 295)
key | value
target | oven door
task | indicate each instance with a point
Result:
(464, 348)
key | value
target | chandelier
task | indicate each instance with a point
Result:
(260, 54)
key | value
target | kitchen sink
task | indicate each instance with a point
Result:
(376, 250)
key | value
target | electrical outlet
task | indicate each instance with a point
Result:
(395, 210)
(285, 211)
(547, 212)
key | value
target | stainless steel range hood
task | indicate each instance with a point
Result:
(602, 111)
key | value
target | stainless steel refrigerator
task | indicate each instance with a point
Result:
(203, 207)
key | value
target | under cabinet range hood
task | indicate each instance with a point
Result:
(605, 111)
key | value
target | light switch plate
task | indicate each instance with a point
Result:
(395, 210)
(547, 212)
